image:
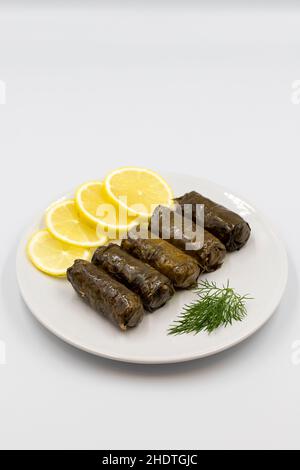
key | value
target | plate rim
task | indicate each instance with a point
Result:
(181, 357)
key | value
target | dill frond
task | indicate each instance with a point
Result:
(215, 307)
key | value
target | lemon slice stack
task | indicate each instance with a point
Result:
(100, 211)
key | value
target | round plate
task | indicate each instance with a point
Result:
(259, 269)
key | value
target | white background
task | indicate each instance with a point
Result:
(171, 86)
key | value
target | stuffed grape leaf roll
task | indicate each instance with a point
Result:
(154, 288)
(180, 268)
(230, 228)
(211, 252)
(106, 295)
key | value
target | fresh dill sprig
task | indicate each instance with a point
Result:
(215, 307)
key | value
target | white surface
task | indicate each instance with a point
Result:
(207, 91)
(259, 270)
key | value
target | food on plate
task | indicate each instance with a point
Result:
(154, 288)
(210, 255)
(162, 249)
(229, 227)
(97, 210)
(53, 256)
(180, 268)
(105, 294)
(64, 223)
(137, 190)
(214, 307)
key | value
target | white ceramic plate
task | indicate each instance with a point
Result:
(259, 269)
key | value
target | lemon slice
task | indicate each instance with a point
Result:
(138, 190)
(64, 223)
(96, 209)
(52, 256)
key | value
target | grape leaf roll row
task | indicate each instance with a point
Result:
(119, 285)
(143, 273)
(153, 287)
